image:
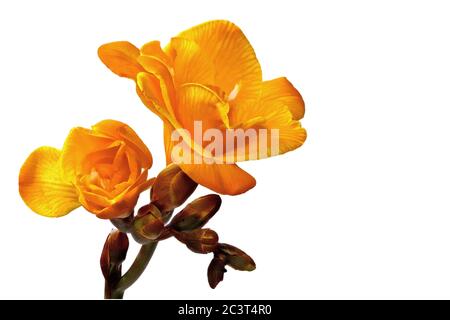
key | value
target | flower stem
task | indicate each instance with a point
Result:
(135, 271)
(115, 274)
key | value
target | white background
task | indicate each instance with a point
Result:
(360, 211)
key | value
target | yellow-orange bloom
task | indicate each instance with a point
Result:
(210, 73)
(103, 169)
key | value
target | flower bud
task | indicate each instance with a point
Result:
(148, 224)
(171, 188)
(199, 240)
(114, 251)
(236, 258)
(216, 270)
(197, 213)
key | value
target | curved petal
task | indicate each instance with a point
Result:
(148, 88)
(291, 134)
(79, 143)
(237, 70)
(281, 90)
(158, 69)
(42, 186)
(122, 131)
(121, 58)
(121, 208)
(200, 109)
(274, 130)
(191, 64)
(199, 103)
(123, 204)
(100, 158)
(93, 202)
(153, 48)
(168, 143)
(222, 178)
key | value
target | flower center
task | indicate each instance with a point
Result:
(99, 180)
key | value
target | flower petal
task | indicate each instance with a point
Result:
(275, 130)
(148, 88)
(125, 202)
(93, 202)
(291, 134)
(281, 90)
(168, 143)
(200, 109)
(199, 103)
(191, 64)
(158, 69)
(153, 48)
(121, 58)
(236, 67)
(121, 208)
(100, 158)
(122, 131)
(42, 186)
(222, 178)
(79, 143)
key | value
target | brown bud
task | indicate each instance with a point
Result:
(114, 251)
(216, 270)
(197, 213)
(199, 240)
(166, 234)
(236, 258)
(171, 188)
(148, 224)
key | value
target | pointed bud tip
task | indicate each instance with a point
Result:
(118, 246)
(236, 258)
(114, 251)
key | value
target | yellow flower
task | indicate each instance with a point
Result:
(210, 73)
(103, 169)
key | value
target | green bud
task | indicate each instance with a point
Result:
(197, 213)
(148, 224)
(199, 240)
(171, 188)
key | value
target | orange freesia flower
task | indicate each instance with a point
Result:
(210, 73)
(103, 169)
